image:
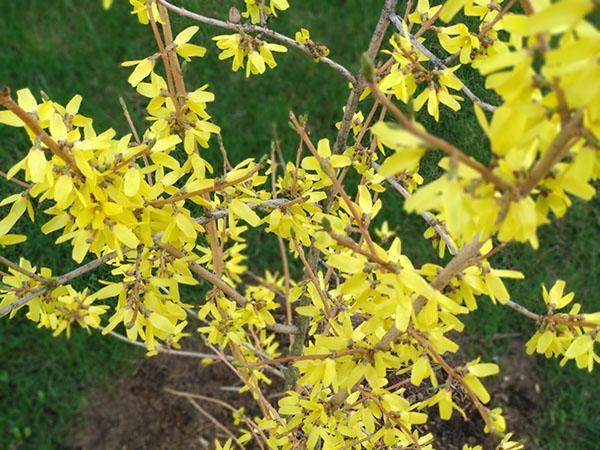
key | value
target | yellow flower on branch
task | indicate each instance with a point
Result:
(252, 53)
(253, 9)
(182, 46)
(458, 38)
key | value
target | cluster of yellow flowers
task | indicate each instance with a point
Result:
(248, 51)
(368, 324)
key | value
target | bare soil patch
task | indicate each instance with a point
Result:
(137, 413)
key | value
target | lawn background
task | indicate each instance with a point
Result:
(64, 48)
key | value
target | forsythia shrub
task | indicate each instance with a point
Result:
(364, 322)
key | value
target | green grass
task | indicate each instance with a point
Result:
(67, 49)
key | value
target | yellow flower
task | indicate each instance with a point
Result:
(423, 12)
(141, 10)
(302, 36)
(143, 68)
(253, 8)
(555, 297)
(248, 52)
(183, 48)
(230, 44)
(434, 97)
(457, 38)
(257, 60)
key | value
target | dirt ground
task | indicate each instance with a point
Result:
(137, 413)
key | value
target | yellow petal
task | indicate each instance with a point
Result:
(484, 369)
(131, 182)
(36, 164)
(579, 346)
(126, 236)
(243, 211)
(26, 100)
(141, 71)
(62, 191)
(10, 119)
(186, 35)
(186, 225)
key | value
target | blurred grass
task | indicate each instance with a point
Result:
(69, 49)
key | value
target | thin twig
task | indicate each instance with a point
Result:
(23, 271)
(262, 30)
(166, 350)
(218, 185)
(387, 11)
(554, 153)
(63, 279)
(218, 424)
(38, 131)
(15, 180)
(207, 275)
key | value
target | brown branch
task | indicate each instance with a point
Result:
(553, 154)
(173, 58)
(483, 411)
(163, 54)
(261, 30)
(569, 320)
(15, 180)
(217, 186)
(316, 356)
(38, 131)
(217, 424)
(441, 144)
(205, 274)
(23, 271)
(349, 243)
(336, 183)
(488, 26)
(468, 255)
(390, 415)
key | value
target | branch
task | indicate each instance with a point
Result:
(23, 271)
(262, 30)
(352, 103)
(34, 126)
(15, 180)
(169, 351)
(463, 259)
(63, 279)
(467, 255)
(483, 411)
(441, 144)
(336, 184)
(207, 275)
(553, 154)
(569, 320)
(217, 424)
(263, 206)
(215, 187)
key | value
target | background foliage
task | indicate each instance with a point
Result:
(69, 48)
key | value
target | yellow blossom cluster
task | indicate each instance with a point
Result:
(367, 326)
